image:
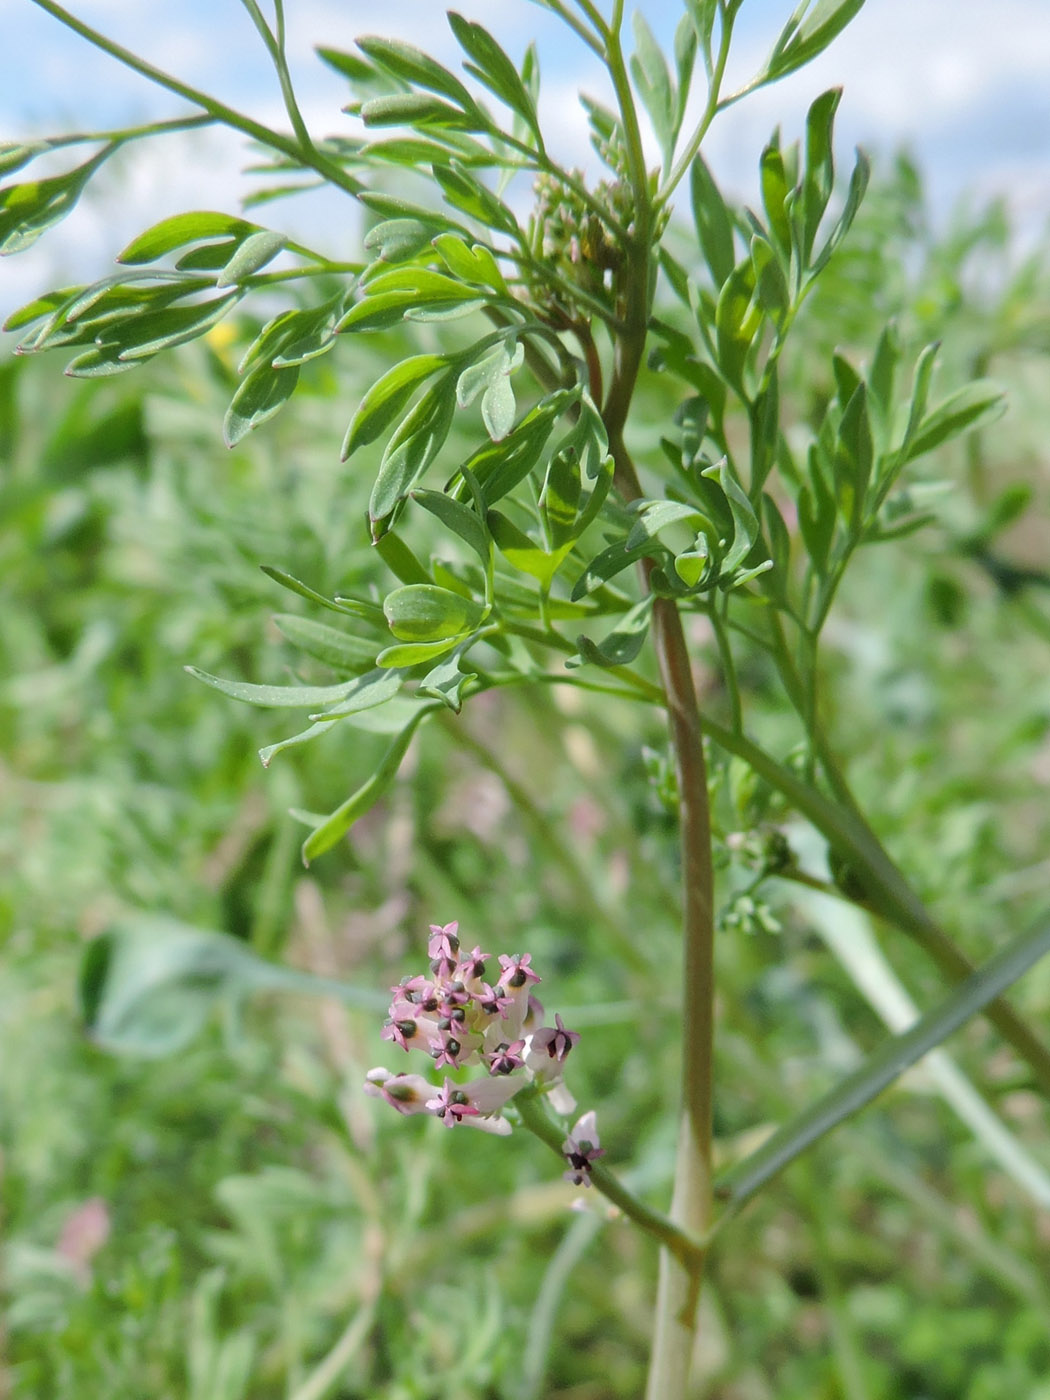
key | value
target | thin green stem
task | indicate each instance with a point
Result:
(725, 652)
(890, 895)
(218, 111)
(130, 133)
(710, 111)
(681, 1243)
(275, 48)
(574, 24)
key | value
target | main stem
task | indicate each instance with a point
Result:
(692, 1204)
(678, 1292)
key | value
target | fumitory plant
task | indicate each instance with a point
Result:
(578, 546)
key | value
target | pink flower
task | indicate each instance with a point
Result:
(582, 1148)
(408, 1093)
(516, 970)
(451, 1105)
(557, 1042)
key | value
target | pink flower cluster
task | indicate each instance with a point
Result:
(460, 1018)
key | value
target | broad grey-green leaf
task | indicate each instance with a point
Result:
(714, 225)
(303, 697)
(334, 827)
(146, 333)
(387, 397)
(423, 612)
(30, 209)
(620, 646)
(399, 239)
(262, 393)
(416, 109)
(446, 680)
(412, 65)
(413, 447)
(326, 644)
(469, 195)
(459, 518)
(973, 406)
(492, 67)
(183, 229)
(365, 692)
(808, 33)
(255, 252)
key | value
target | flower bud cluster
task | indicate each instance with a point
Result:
(472, 1010)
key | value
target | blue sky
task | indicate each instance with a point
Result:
(964, 84)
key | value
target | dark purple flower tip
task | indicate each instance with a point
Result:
(556, 1040)
(505, 1059)
(516, 969)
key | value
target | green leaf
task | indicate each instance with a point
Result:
(737, 321)
(146, 333)
(183, 229)
(413, 66)
(391, 207)
(816, 516)
(412, 448)
(148, 984)
(500, 466)
(610, 562)
(446, 681)
(494, 68)
(854, 456)
(460, 519)
(398, 239)
(39, 307)
(899, 1053)
(303, 697)
(304, 590)
(808, 33)
(858, 184)
(406, 654)
(390, 295)
(471, 197)
(255, 252)
(261, 394)
(523, 553)
(973, 406)
(365, 692)
(775, 191)
(326, 644)
(386, 398)
(714, 225)
(400, 560)
(417, 109)
(15, 154)
(490, 377)
(653, 82)
(773, 294)
(334, 828)
(620, 646)
(745, 522)
(819, 179)
(98, 363)
(423, 612)
(470, 264)
(29, 210)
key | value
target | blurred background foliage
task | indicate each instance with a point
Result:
(234, 1220)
